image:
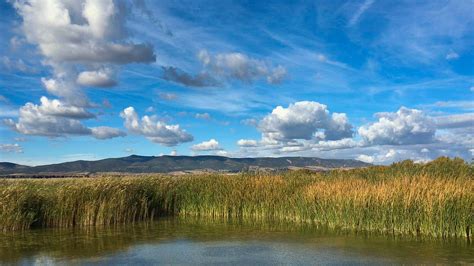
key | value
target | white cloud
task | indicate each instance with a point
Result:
(378, 158)
(210, 145)
(99, 78)
(355, 18)
(54, 118)
(222, 153)
(238, 66)
(58, 108)
(304, 120)
(155, 131)
(455, 121)
(129, 150)
(277, 75)
(405, 134)
(16, 65)
(457, 136)
(301, 127)
(167, 96)
(16, 148)
(466, 105)
(173, 153)
(81, 34)
(33, 122)
(406, 126)
(205, 116)
(249, 122)
(365, 158)
(107, 132)
(65, 89)
(335, 144)
(452, 55)
(247, 143)
(80, 31)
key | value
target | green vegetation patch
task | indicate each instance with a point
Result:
(433, 199)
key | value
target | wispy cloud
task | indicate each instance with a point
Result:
(355, 18)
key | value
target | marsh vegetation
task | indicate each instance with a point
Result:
(433, 199)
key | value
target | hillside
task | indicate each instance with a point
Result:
(165, 164)
(6, 166)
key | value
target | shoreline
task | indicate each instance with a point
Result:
(430, 200)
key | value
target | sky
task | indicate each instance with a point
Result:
(376, 81)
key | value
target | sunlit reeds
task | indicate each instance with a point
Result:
(435, 199)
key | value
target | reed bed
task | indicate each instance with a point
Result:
(434, 199)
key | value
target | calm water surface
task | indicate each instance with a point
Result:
(201, 242)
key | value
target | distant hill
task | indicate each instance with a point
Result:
(6, 166)
(166, 164)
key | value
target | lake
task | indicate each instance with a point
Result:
(204, 242)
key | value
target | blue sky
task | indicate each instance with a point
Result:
(378, 81)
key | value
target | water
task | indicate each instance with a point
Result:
(204, 242)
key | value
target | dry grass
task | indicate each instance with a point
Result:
(435, 199)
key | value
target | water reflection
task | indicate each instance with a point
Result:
(198, 241)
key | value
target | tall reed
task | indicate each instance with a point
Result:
(434, 199)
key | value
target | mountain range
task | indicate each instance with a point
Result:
(166, 164)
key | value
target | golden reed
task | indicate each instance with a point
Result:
(433, 199)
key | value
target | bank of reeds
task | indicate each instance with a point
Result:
(434, 199)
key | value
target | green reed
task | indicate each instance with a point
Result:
(434, 199)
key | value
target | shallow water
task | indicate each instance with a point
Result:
(193, 241)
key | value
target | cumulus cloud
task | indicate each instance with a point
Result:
(53, 118)
(222, 153)
(238, 66)
(405, 134)
(155, 131)
(32, 122)
(11, 148)
(335, 144)
(210, 145)
(406, 126)
(66, 89)
(247, 143)
(81, 31)
(58, 108)
(107, 132)
(99, 78)
(383, 157)
(458, 136)
(365, 158)
(304, 120)
(301, 127)
(74, 35)
(83, 41)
